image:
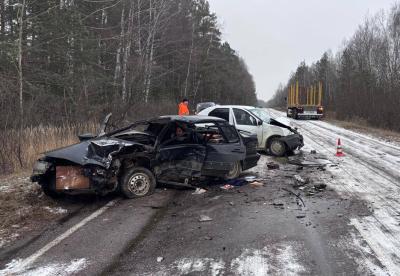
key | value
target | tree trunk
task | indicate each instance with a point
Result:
(127, 51)
(20, 74)
(117, 70)
(189, 63)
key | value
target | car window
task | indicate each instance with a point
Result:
(244, 118)
(209, 133)
(222, 113)
(262, 114)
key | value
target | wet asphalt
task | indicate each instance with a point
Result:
(254, 230)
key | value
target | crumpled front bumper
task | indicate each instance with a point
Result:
(294, 141)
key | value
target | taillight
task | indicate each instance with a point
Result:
(320, 110)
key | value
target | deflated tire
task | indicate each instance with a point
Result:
(137, 182)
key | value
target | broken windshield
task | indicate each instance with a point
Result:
(261, 113)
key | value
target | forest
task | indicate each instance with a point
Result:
(69, 61)
(361, 82)
(65, 64)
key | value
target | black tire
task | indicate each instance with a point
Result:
(277, 147)
(137, 182)
(235, 172)
(295, 116)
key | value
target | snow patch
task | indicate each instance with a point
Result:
(55, 210)
(280, 260)
(59, 269)
(385, 249)
(189, 265)
(368, 254)
(251, 262)
(6, 239)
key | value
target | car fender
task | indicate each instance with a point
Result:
(272, 131)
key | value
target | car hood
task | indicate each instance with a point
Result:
(281, 122)
(95, 152)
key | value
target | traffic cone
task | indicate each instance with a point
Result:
(339, 150)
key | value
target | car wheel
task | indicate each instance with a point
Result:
(235, 171)
(277, 147)
(137, 182)
(295, 116)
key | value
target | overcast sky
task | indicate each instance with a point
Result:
(274, 36)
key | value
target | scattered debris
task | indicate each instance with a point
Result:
(160, 259)
(300, 216)
(204, 218)
(297, 195)
(237, 182)
(300, 180)
(277, 204)
(320, 186)
(305, 163)
(208, 238)
(313, 152)
(340, 215)
(199, 191)
(272, 166)
(231, 203)
(55, 210)
(256, 184)
(250, 178)
(227, 187)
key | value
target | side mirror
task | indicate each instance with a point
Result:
(86, 136)
(104, 125)
(259, 122)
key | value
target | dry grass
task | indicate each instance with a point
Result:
(19, 149)
(23, 207)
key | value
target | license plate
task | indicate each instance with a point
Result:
(310, 112)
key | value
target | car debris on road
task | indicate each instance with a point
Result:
(272, 166)
(199, 191)
(204, 218)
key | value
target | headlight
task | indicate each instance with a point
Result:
(41, 167)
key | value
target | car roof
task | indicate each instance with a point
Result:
(236, 106)
(194, 119)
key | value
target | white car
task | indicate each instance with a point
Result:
(273, 135)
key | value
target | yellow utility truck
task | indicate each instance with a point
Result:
(305, 102)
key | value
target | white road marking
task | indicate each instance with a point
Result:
(25, 263)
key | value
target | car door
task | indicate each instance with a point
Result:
(222, 153)
(247, 122)
(176, 159)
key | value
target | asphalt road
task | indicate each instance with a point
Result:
(351, 227)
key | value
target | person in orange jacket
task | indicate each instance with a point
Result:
(183, 108)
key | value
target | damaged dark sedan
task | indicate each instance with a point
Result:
(180, 150)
